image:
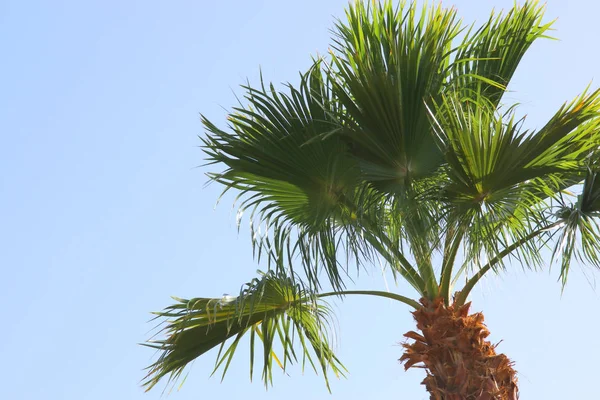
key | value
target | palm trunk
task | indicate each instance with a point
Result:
(460, 363)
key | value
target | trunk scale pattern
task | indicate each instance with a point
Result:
(460, 363)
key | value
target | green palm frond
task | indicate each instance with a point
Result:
(488, 56)
(499, 175)
(295, 177)
(571, 135)
(579, 238)
(273, 151)
(485, 188)
(387, 61)
(488, 152)
(284, 316)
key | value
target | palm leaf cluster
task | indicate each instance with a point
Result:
(398, 146)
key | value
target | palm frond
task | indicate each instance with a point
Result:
(273, 151)
(486, 192)
(489, 56)
(579, 238)
(296, 178)
(387, 62)
(502, 179)
(272, 308)
(570, 136)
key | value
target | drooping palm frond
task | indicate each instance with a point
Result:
(282, 314)
(579, 237)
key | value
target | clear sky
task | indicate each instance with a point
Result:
(104, 215)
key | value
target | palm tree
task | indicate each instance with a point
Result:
(399, 146)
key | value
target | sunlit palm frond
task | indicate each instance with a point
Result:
(387, 62)
(488, 57)
(555, 158)
(503, 179)
(569, 137)
(485, 183)
(488, 194)
(284, 316)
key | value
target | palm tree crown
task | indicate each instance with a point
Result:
(400, 146)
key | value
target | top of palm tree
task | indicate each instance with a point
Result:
(402, 135)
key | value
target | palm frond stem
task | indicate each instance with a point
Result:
(464, 293)
(397, 261)
(452, 246)
(403, 299)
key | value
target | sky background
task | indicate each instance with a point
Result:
(104, 215)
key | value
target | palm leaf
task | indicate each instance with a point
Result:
(387, 61)
(297, 180)
(488, 56)
(500, 177)
(579, 237)
(272, 308)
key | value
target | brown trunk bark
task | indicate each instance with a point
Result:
(460, 363)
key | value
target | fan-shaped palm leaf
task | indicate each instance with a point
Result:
(499, 175)
(272, 308)
(291, 177)
(387, 62)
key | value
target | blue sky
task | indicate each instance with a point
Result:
(104, 215)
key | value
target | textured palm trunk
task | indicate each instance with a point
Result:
(460, 363)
